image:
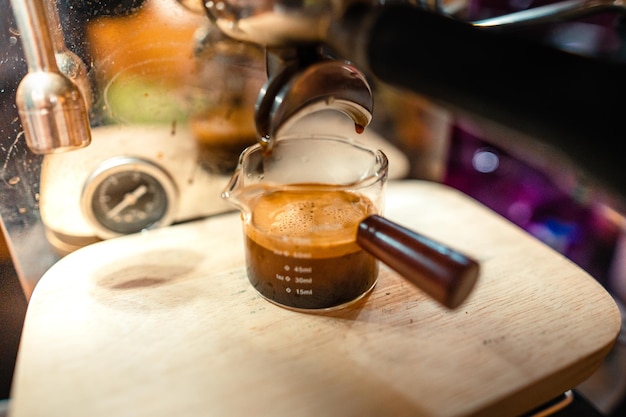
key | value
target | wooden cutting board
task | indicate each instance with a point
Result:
(165, 324)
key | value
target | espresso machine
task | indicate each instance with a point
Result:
(165, 94)
(78, 78)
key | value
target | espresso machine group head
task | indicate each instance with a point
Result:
(570, 103)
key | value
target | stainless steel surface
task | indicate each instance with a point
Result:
(550, 13)
(52, 109)
(275, 22)
(70, 64)
(20, 168)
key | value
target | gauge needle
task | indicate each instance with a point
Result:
(128, 200)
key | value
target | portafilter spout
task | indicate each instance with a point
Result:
(295, 92)
(51, 107)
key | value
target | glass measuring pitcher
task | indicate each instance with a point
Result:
(301, 205)
(313, 230)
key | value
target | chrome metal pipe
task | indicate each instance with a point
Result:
(68, 62)
(51, 107)
(550, 13)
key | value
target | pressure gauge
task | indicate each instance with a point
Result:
(127, 195)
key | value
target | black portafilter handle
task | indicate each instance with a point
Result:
(443, 273)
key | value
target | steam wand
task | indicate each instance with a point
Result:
(51, 107)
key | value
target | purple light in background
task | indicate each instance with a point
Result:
(532, 200)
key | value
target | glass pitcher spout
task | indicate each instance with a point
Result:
(250, 170)
(232, 192)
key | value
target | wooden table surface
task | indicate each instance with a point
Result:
(165, 323)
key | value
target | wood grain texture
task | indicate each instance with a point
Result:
(165, 323)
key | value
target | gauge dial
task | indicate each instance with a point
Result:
(127, 195)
